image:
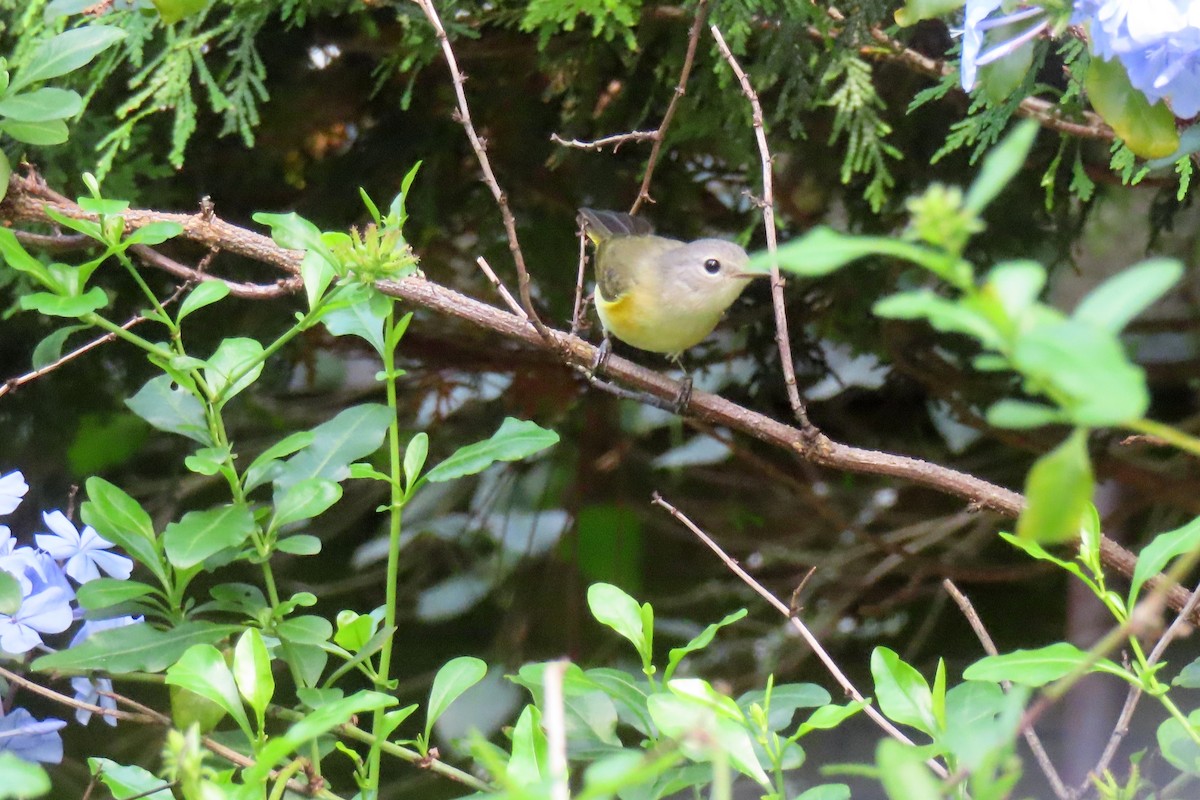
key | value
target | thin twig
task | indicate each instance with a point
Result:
(71, 702)
(615, 141)
(555, 722)
(782, 341)
(577, 314)
(512, 304)
(485, 164)
(198, 274)
(839, 676)
(660, 135)
(1135, 694)
(224, 751)
(1031, 738)
(15, 383)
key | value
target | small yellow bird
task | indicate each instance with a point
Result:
(661, 294)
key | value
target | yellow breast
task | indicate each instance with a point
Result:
(654, 323)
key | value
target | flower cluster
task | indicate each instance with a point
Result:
(1156, 41)
(36, 599)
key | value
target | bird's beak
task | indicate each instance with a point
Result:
(752, 275)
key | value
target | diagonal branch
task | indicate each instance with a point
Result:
(27, 200)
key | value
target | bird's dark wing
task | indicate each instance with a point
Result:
(601, 225)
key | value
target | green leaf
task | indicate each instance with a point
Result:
(827, 717)
(528, 765)
(943, 314)
(205, 294)
(999, 79)
(129, 781)
(1177, 745)
(823, 250)
(203, 671)
(903, 694)
(134, 648)
(1000, 165)
(314, 724)
(1161, 550)
(54, 305)
(358, 319)
(174, 410)
(356, 432)
(700, 731)
(903, 772)
(1036, 667)
(981, 719)
(1058, 492)
(1112, 304)
(200, 534)
(50, 348)
(916, 10)
(40, 134)
(10, 594)
(17, 257)
(1021, 414)
(173, 11)
(299, 545)
(21, 779)
(454, 678)
(316, 273)
(107, 592)
(155, 233)
(827, 791)
(252, 672)
(353, 630)
(236, 364)
(1189, 676)
(612, 607)
(66, 52)
(516, 439)
(1016, 286)
(305, 630)
(1148, 130)
(699, 642)
(119, 518)
(41, 105)
(304, 500)
(260, 468)
(414, 458)
(5, 174)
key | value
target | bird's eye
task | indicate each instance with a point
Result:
(712, 266)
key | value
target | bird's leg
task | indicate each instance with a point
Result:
(679, 406)
(600, 362)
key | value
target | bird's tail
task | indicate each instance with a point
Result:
(601, 225)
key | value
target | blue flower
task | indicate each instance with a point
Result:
(88, 692)
(12, 488)
(85, 554)
(45, 611)
(1157, 41)
(977, 21)
(30, 739)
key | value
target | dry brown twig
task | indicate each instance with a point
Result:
(659, 135)
(1031, 738)
(782, 341)
(489, 177)
(826, 659)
